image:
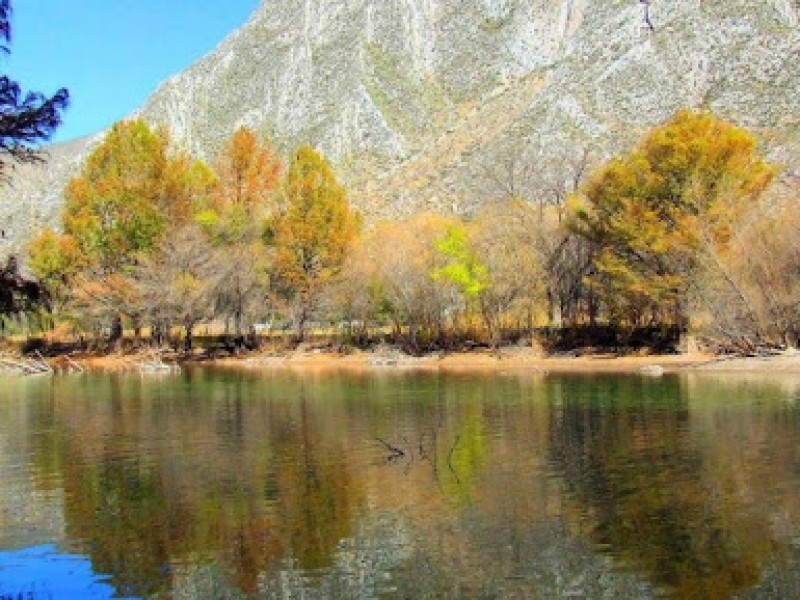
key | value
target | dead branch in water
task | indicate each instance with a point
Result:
(394, 451)
(450, 458)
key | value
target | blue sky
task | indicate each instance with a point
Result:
(111, 54)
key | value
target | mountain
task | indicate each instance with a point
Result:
(442, 104)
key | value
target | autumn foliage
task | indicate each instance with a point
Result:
(650, 215)
(248, 172)
(312, 231)
(674, 234)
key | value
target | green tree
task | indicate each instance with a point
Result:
(493, 265)
(463, 267)
(650, 214)
(26, 120)
(312, 232)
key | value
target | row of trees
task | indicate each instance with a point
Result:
(152, 237)
(673, 234)
(676, 233)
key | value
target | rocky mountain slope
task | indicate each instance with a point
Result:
(442, 104)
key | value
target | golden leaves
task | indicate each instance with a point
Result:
(652, 212)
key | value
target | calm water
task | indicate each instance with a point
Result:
(214, 484)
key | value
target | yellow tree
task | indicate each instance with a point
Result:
(387, 279)
(312, 232)
(651, 213)
(55, 259)
(132, 191)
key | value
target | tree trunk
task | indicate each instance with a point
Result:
(156, 335)
(115, 337)
(302, 317)
(304, 314)
(188, 338)
(593, 308)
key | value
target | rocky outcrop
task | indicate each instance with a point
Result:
(32, 196)
(438, 105)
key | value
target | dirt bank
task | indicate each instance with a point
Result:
(507, 360)
(519, 360)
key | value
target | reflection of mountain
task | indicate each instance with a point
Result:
(217, 484)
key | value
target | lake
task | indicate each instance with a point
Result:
(392, 484)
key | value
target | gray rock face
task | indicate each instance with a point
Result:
(358, 76)
(440, 104)
(32, 197)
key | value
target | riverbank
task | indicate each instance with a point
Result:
(507, 360)
(515, 359)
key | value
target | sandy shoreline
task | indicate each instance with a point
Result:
(518, 360)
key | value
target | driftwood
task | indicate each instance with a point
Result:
(26, 366)
(73, 365)
(157, 365)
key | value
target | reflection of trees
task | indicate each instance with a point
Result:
(314, 506)
(150, 486)
(257, 475)
(637, 484)
(274, 484)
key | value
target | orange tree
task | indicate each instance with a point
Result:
(248, 171)
(651, 214)
(311, 233)
(249, 176)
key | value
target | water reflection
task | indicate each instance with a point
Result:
(631, 467)
(220, 484)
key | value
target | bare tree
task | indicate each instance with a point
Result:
(748, 295)
(240, 284)
(175, 283)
